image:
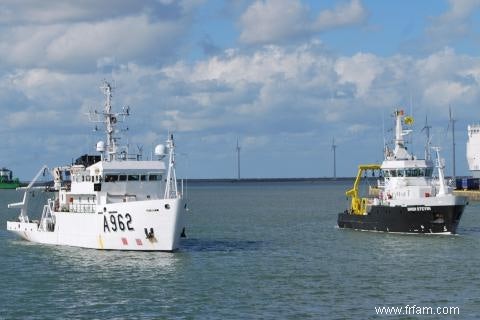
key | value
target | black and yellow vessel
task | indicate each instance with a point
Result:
(410, 200)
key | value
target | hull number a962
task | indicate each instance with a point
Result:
(117, 222)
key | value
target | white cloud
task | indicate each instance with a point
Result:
(87, 42)
(459, 11)
(50, 12)
(80, 46)
(253, 142)
(361, 70)
(276, 21)
(357, 128)
(272, 98)
(48, 89)
(343, 15)
(442, 93)
(273, 20)
(267, 64)
(89, 35)
(451, 26)
(303, 89)
(25, 119)
(269, 90)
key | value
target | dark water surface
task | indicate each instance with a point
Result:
(254, 251)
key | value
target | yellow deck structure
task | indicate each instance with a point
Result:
(359, 205)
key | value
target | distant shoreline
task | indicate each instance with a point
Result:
(249, 180)
(231, 180)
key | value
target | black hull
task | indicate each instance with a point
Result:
(414, 219)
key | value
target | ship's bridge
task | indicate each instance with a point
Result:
(132, 180)
(407, 179)
(407, 168)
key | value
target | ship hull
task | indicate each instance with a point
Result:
(409, 219)
(9, 185)
(154, 225)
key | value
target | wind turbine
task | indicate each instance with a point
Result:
(334, 147)
(452, 124)
(238, 160)
(427, 128)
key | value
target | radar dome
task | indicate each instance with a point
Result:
(160, 150)
(100, 146)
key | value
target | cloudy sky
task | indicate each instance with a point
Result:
(285, 77)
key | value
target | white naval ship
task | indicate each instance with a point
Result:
(473, 149)
(114, 201)
(411, 200)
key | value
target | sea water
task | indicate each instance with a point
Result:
(254, 251)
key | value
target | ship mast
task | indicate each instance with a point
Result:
(171, 186)
(110, 120)
(399, 142)
(400, 152)
(441, 175)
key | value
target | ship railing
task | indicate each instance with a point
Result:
(82, 208)
(124, 197)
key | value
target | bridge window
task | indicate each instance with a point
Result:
(122, 177)
(133, 177)
(155, 177)
(143, 177)
(409, 172)
(111, 178)
(412, 172)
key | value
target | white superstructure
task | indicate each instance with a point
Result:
(409, 180)
(473, 149)
(115, 201)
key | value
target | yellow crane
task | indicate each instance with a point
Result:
(359, 205)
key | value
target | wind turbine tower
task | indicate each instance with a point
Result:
(238, 160)
(452, 124)
(427, 128)
(334, 148)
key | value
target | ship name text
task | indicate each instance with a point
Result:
(419, 209)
